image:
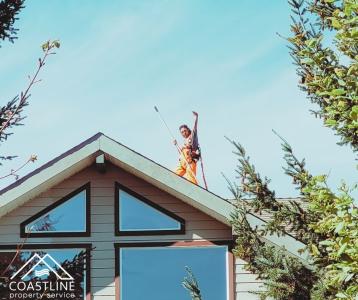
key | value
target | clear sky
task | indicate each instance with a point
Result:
(120, 58)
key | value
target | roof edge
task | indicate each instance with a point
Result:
(51, 162)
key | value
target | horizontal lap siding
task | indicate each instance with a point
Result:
(199, 226)
(246, 282)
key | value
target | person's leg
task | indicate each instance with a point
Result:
(191, 174)
(181, 169)
(188, 172)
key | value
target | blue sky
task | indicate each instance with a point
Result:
(120, 58)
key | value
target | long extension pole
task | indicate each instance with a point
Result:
(177, 146)
(202, 171)
(165, 123)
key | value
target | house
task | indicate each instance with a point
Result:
(103, 222)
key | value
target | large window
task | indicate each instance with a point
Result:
(60, 272)
(136, 215)
(70, 216)
(156, 273)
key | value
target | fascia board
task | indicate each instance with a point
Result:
(193, 195)
(163, 178)
(142, 167)
(288, 242)
(48, 177)
(187, 192)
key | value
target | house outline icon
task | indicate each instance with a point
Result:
(42, 260)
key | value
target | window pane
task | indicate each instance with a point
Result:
(34, 272)
(157, 273)
(135, 215)
(70, 216)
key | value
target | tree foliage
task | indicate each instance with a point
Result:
(326, 222)
(328, 71)
(328, 228)
(8, 15)
(285, 276)
(11, 114)
(191, 285)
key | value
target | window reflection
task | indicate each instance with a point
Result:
(135, 215)
(156, 273)
(70, 216)
(57, 274)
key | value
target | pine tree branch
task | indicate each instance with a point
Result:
(14, 173)
(191, 284)
(8, 12)
(10, 115)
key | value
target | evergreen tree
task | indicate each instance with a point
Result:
(327, 223)
(328, 74)
(11, 114)
(8, 11)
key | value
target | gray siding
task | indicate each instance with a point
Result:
(199, 226)
(246, 282)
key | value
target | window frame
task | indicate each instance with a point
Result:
(86, 246)
(230, 262)
(117, 188)
(38, 234)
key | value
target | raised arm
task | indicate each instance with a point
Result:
(195, 121)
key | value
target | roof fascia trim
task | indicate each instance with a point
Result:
(165, 179)
(187, 192)
(48, 176)
(288, 242)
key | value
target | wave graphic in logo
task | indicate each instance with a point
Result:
(42, 272)
(47, 260)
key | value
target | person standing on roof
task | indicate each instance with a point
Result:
(189, 152)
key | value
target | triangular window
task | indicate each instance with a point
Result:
(67, 217)
(139, 216)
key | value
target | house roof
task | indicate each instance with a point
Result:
(84, 154)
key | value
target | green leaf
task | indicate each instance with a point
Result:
(311, 42)
(342, 82)
(349, 277)
(354, 33)
(341, 296)
(341, 104)
(342, 249)
(307, 61)
(338, 92)
(336, 24)
(355, 109)
(315, 250)
(351, 69)
(330, 122)
(354, 113)
(45, 46)
(339, 228)
(326, 243)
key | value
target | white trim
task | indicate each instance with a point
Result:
(47, 178)
(228, 274)
(140, 166)
(288, 242)
(163, 178)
